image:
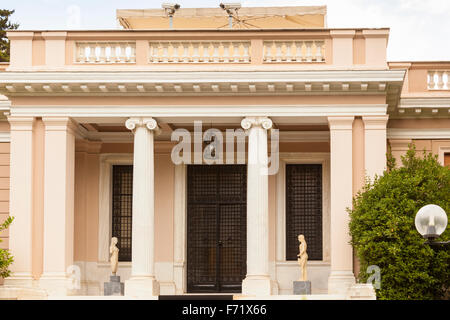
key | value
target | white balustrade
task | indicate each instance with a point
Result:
(294, 51)
(439, 80)
(200, 52)
(105, 52)
(277, 51)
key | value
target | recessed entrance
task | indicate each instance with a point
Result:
(216, 228)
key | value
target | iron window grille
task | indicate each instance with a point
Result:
(122, 209)
(304, 209)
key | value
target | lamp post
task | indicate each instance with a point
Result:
(431, 221)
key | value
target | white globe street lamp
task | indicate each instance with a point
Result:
(431, 221)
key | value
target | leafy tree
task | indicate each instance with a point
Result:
(383, 230)
(5, 25)
(5, 257)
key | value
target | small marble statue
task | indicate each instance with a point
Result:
(114, 287)
(302, 257)
(114, 251)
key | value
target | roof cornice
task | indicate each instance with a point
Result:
(185, 82)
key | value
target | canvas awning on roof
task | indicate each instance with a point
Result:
(305, 17)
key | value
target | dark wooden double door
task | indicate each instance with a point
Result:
(216, 228)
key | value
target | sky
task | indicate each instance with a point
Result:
(420, 29)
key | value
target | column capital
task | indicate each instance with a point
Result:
(21, 123)
(340, 123)
(60, 124)
(375, 122)
(86, 146)
(149, 123)
(400, 145)
(263, 122)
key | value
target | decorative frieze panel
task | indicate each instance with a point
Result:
(200, 52)
(105, 52)
(294, 51)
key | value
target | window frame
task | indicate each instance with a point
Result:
(316, 219)
(107, 161)
(117, 166)
(302, 158)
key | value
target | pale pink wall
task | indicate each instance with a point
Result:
(87, 170)
(432, 146)
(304, 147)
(359, 49)
(80, 207)
(400, 147)
(423, 145)
(226, 100)
(117, 148)
(375, 47)
(92, 199)
(164, 198)
(4, 126)
(38, 52)
(419, 124)
(272, 216)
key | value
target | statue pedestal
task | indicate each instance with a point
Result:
(114, 287)
(302, 287)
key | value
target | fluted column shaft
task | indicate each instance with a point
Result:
(257, 281)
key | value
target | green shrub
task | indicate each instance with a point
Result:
(5, 257)
(384, 234)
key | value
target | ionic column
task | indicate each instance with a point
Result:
(21, 200)
(59, 186)
(257, 281)
(143, 282)
(341, 275)
(375, 145)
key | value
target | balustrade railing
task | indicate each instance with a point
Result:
(294, 51)
(439, 80)
(106, 52)
(200, 52)
(230, 51)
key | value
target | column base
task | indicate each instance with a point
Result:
(257, 286)
(142, 287)
(58, 284)
(362, 291)
(23, 279)
(339, 282)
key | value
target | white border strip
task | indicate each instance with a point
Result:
(418, 133)
(5, 137)
(177, 111)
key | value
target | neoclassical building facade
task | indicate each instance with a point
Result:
(91, 120)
